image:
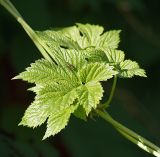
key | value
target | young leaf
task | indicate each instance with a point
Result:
(58, 88)
(130, 68)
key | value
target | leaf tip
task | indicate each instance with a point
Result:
(16, 77)
(21, 124)
(44, 137)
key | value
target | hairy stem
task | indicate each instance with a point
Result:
(106, 104)
(43, 48)
(130, 135)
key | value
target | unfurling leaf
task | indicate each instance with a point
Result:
(130, 68)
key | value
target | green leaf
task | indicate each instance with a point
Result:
(130, 68)
(90, 95)
(57, 121)
(96, 72)
(59, 87)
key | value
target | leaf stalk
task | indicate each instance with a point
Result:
(107, 103)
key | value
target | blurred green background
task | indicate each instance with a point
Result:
(136, 102)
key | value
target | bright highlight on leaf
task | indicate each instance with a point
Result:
(83, 56)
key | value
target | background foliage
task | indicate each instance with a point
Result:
(136, 102)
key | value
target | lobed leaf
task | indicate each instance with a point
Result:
(58, 88)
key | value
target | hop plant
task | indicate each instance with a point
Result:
(68, 79)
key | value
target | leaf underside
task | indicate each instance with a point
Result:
(83, 56)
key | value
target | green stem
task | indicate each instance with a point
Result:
(43, 48)
(106, 104)
(10, 8)
(130, 135)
